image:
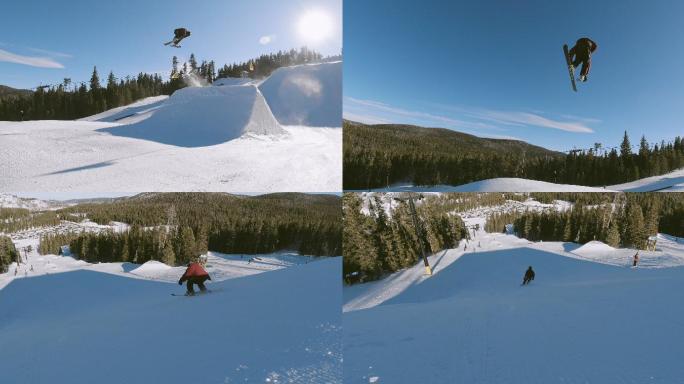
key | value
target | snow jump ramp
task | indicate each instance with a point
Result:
(204, 116)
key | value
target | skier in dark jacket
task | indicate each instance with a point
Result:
(529, 276)
(636, 259)
(178, 35)
(581, 52)
(195, 274)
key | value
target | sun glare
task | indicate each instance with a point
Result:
(315, 26)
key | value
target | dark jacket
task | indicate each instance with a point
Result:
(586, 43)
(529, 274)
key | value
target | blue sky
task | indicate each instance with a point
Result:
(495, 68)
(45, 41)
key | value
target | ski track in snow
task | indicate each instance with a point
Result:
(587, 318)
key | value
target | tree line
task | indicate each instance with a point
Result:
(177, 227)
(19, 219)
(8, 253)
(625, 220)
(70, 100)
(380, 156)
(377, 242)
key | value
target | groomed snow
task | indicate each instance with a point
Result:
(502, 184)
(76, 156)
(204, 116)
(216, 138)
(670, 182)
(586, 318)
(85, 326)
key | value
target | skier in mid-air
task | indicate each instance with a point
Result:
(529, 276)
(195, 274)
(581, 54)
(178, 35)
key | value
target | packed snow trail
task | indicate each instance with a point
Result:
(586, 318)
(84, 327)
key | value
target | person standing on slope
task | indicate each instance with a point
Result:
(195, 274)
(636, 259)
(529, 276)
(582, 51)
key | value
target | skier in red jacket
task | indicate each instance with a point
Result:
(195, 274)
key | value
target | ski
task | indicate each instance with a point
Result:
(571, 69)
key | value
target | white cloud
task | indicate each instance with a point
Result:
(265, 40)
(50, 53)
(469, 118)
(41, 62)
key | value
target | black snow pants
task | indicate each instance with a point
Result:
(199, 280)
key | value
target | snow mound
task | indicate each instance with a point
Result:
(137, 108)
(309, 95)
(204, 116)
(151, 268)
(502, 184)
(669, 182)
(231, 81)
(593, 247)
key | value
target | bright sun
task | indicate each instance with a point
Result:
(315, 26)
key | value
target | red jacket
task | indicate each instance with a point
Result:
(194, 270)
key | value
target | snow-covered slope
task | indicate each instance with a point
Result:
(12, 201)
(84, 327)
(502, 184)
(203, 116)
(308, 95)
(140, 107)
(670, 182)
(586, 318)
(215, 138)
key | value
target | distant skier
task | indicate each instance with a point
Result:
(636, 260)
(178, 35)
(195, 274)
(529, 276)
(581, 52)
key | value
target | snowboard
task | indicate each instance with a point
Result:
(571, 69)
(195, 295)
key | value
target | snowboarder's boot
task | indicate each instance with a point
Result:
(583, 79)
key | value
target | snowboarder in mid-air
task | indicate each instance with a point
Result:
(529, 276)
(581, 54)
(178, 35)
(195, 274)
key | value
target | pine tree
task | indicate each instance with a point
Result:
(613, 235)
